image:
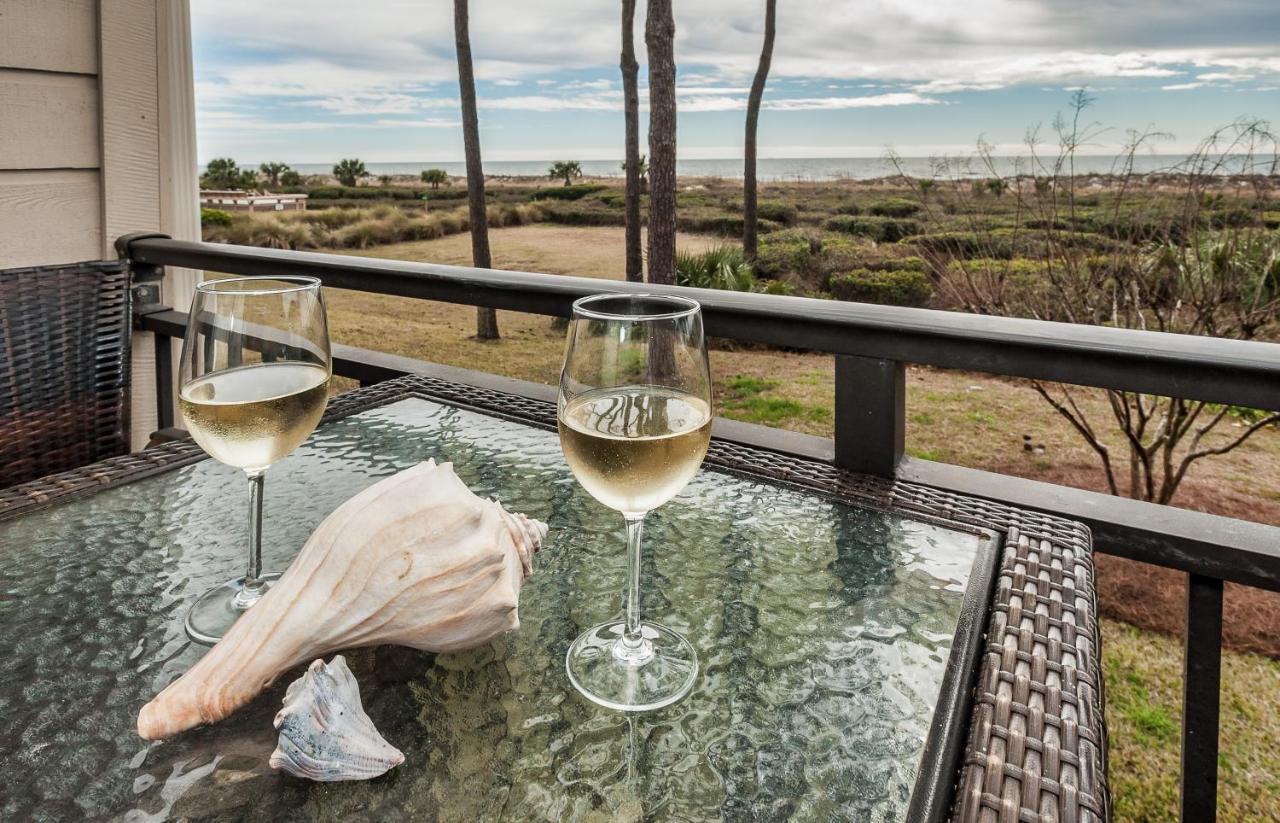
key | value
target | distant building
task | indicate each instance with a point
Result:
(252, 201)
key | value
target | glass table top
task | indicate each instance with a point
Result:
(823, 631)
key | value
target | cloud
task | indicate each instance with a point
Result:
(542, 102)
(868, 102)
(598, 85)
(368, 104)
(221, 121)
(1225, 76)
(698, 100)
(319, 46)
(260, 64)
(423, 123)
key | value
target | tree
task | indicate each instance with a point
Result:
(291, 178)
(633, 162)
(659, 38)
(435, 177)
(349, 172)
(565, 170)
(1179, 270)
(750, 244)
(223, 173)
(486, 319)
(273, 172)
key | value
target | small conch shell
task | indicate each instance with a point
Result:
(414, 560)
(325, 734)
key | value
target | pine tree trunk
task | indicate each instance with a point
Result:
(659, 37)
(631, 114)
(750, 245)
(486, 319)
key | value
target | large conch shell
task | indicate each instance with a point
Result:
(325, 734)
(414, 560)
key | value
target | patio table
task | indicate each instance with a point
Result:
(869, 650)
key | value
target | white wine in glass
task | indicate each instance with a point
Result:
(254, 379)
(635, 423)
(250, 417)
(635, 448)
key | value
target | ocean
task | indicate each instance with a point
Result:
(778, 168)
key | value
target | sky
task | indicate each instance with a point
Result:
(311, 81)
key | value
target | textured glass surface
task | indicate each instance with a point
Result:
(822, 629)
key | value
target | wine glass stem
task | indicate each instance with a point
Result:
(631, 636)
(253, 587)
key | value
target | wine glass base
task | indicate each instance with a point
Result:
(656, 673)
(214, 611)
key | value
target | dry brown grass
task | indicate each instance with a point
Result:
(1144, 710)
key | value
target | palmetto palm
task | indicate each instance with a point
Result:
(223, 173)
(565, 170)
(273, 172)
(349, 171)
(435, 177)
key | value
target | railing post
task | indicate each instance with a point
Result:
(164, 382)
(870, 414)
(144, 292)
(1201, 695)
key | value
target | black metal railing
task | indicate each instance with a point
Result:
(872, 344)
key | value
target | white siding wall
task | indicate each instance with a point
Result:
(50, 132)
(97, 139)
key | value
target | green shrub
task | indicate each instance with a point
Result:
(1010, 243)
(721, 267)
(849, 208)
(1020, 281)
(722, 224)
(785, 258)
(1233, 218)
(325, 193)
(576, 214)
(893, 288)
(894, 207)
(613, 201)
(442, 194)
(880, 229)
(782, 287)
(778, 213)
(788, 251)
(214, 217)
(574, 192)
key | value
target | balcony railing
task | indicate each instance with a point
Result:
(872, 345)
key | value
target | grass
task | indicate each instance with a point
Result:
(749, 398)
(1143, 674)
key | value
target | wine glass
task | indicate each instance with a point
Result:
(634, 415)
(253, 382)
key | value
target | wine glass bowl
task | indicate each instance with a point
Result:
(634, 415)
(253, 383)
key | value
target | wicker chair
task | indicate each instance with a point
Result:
(64, 368)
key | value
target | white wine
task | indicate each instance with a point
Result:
(251, 416)
(634, 448)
